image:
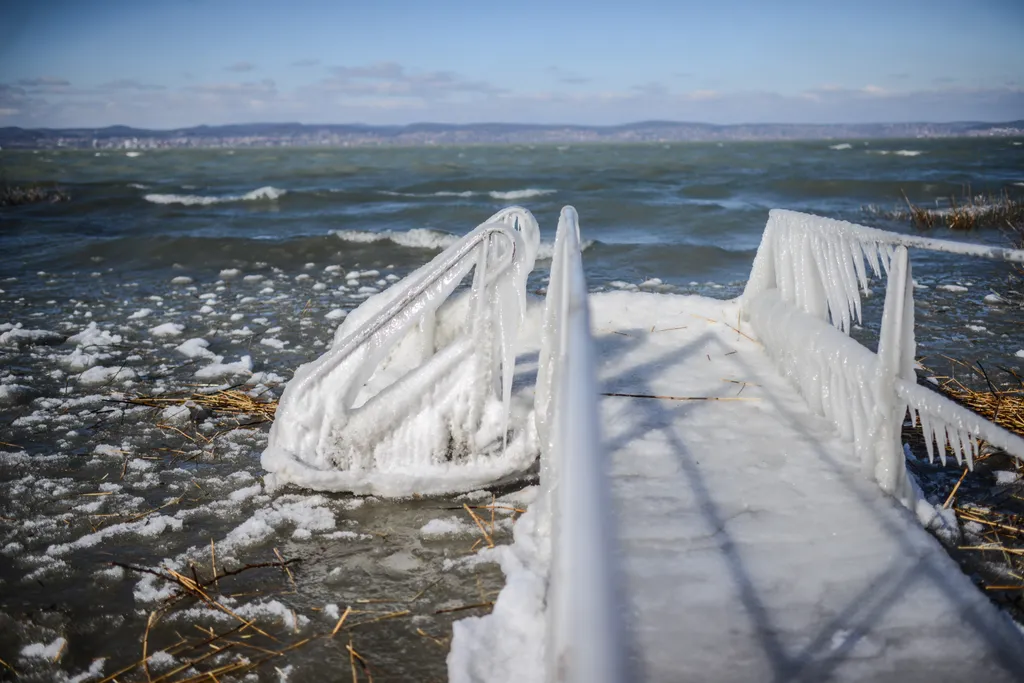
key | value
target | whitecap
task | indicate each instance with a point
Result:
(908, 152)
(520, 194)
(842, 145)
(425, 238)
(422, 238)
(494, 194)
(425, 195)
(262, 193)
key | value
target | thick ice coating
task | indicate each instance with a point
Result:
(808, 271)
(415, 394)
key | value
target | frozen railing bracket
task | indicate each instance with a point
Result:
(804, 294)
(413, 397)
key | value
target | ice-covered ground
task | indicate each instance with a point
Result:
(86, 480)
(753, 547)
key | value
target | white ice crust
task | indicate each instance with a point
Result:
(809, 271)
(415, 394)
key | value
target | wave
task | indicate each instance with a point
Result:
(420, 195)
(268, 192)
(899, 152)
(842, 145)
(417, 238)
(520, 194)
(425, 238)
(493, 194)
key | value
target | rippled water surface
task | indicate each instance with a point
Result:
(259, 254)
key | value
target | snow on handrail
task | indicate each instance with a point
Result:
(584, 619)
(356, 419)
(805, 276)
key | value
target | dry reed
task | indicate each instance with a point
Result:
(221, 403)
(969, 212)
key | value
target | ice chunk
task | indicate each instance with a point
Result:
(218, 370)
(101, 375)
(51, 651)
(195, 348)
(167, 330)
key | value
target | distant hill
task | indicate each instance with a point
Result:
(344, 135)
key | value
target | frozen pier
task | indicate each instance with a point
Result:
(723, 491)
(753, 548)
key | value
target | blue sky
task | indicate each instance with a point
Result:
(174, 64)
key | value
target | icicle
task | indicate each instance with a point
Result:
(849, 279)
(972, 445)
(890, 253)
(939, 436)
(929, 437)
(857, 257)
(953, 440)
(870, 251)
(963, 439)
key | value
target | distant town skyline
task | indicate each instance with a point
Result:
(178, 64)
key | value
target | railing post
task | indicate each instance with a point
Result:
(896, 348)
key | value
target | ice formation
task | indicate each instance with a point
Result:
(560, 602)
(413, 396)
(809, 271)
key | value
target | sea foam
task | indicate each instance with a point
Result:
(268, 192)
(425, 238)
(493, 194)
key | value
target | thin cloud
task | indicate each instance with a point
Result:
(241, 67)
(651, 89)
(306, 62)
(51, 81)
(567, 77)
(262, 87)
(390, 80)
(129, 84)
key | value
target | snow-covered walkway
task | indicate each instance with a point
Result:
(754, 548)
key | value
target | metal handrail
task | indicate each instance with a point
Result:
(586, 642)
(415, 290)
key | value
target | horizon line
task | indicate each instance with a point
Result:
(641, 122)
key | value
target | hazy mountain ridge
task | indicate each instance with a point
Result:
(361, 135)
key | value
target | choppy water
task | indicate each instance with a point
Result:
(251, 250)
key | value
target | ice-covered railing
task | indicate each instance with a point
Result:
(413, 397)
(584, 620)
(809, 272)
